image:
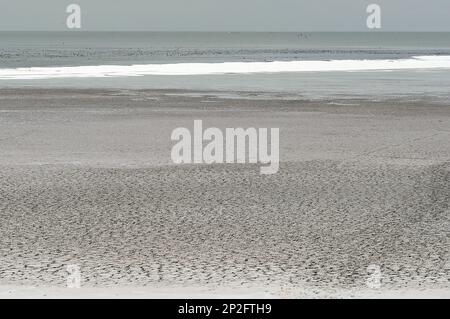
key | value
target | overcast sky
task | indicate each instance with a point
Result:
(226, 15)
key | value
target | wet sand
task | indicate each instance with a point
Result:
(86, 178)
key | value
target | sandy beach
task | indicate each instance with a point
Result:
(86, 179)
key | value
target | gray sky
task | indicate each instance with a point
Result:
(226, 15)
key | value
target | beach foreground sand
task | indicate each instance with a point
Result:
(86, 179)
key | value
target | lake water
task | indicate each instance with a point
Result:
(306, 64)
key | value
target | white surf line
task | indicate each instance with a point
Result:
(105, 71)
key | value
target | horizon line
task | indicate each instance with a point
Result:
(241, 31)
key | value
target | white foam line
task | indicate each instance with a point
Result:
(104, 71)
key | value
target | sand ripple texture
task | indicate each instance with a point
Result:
(316, 222)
